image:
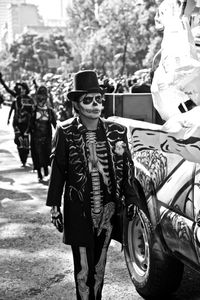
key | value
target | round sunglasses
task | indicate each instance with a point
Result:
(89, 99)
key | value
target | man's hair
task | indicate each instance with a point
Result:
(76, 110)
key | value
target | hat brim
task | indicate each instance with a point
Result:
(75, 95)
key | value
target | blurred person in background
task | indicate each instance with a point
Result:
(142, 84)
(121, 86)
(65, 111)
(22, 107)
(43, 118)
(49, 95)
(16, 92)
(107, 85)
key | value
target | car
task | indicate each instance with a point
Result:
(164, 233)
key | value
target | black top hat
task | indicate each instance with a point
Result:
(84, 82)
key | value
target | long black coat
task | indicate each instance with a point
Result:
(41, 138)
(70, 170)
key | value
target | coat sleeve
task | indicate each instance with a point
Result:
(58, 169)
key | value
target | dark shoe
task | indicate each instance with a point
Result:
(39, 174)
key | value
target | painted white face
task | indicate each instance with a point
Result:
(90, 105)
(22, 91)
(41, 99)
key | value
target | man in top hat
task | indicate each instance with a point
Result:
(92, 165)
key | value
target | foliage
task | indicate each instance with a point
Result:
(82, 25)
(32, 52)
(114, 37)
(122, 30)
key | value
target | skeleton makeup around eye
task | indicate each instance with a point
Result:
(89, 99)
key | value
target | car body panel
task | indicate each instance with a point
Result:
(171, 185)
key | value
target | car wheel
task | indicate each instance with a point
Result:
(153, 273)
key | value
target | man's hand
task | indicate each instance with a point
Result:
(56, 218)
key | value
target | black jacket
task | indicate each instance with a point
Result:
(70, 170)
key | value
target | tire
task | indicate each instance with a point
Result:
(153, 273)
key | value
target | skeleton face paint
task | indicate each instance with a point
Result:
(22, 91)
(90, 110)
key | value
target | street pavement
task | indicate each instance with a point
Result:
(25, 229)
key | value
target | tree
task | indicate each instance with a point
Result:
(120, 18)
(82, 24)
(32, 52)
(99, 52)
(154, 37)
(112, 36)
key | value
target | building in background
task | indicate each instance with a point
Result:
(14, 16)
(4, 4)
(20, 16)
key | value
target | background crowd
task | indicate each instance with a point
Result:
(38, 102)
(58, 87)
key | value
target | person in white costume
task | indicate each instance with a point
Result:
(176, 80)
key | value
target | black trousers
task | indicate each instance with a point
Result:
(22, 143)
(89, 266)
